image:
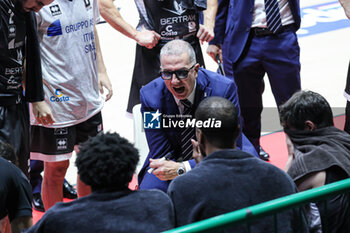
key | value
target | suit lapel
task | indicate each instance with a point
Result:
(170, 106)
(202, 89)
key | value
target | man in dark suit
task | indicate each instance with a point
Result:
(226, 179)
(259, 37)
(181, 80)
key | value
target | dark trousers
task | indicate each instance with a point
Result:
(274, 55)
(14, 129)
(36, 167)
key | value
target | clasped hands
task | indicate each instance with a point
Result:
(149, 38)
(167, 169)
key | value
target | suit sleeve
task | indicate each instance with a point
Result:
(231, 95)
(220, 22)
(157, 139)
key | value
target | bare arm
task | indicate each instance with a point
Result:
(290, 149)
(206, 31)
(214, 49)
(210, 13)
(209, 21)
(103, 79)
(21, 223)
(346, 5)
(5, 225)
(111, 14)
(310, 181)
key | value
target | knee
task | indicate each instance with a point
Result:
(55, 171)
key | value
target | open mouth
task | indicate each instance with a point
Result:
(179, 90)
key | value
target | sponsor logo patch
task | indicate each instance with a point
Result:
(55, 10)
(61, 131)
(61, 143)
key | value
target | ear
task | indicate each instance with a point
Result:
(196, 69)
(202, 141)
(309, 125)
(199, 135)
(236, 134)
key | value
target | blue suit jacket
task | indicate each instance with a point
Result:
(156, 96)
(233, 23)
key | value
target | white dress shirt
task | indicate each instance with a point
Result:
(181, 110)
(259, 16)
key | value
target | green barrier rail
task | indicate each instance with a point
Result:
(264, 209)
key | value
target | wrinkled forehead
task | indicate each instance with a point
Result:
(174, 60)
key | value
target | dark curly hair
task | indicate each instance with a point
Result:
(8, 153)
(107, 161)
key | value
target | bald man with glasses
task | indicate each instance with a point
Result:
(170, 100)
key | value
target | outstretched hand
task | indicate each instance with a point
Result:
(164, 169)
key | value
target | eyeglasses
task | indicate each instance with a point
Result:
(180, 74)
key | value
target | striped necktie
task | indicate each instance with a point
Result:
(273, 16)
(187, 133)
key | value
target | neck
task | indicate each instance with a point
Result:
(211, 148)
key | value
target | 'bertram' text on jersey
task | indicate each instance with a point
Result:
(178, 19)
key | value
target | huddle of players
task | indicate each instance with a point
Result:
(85, 120)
